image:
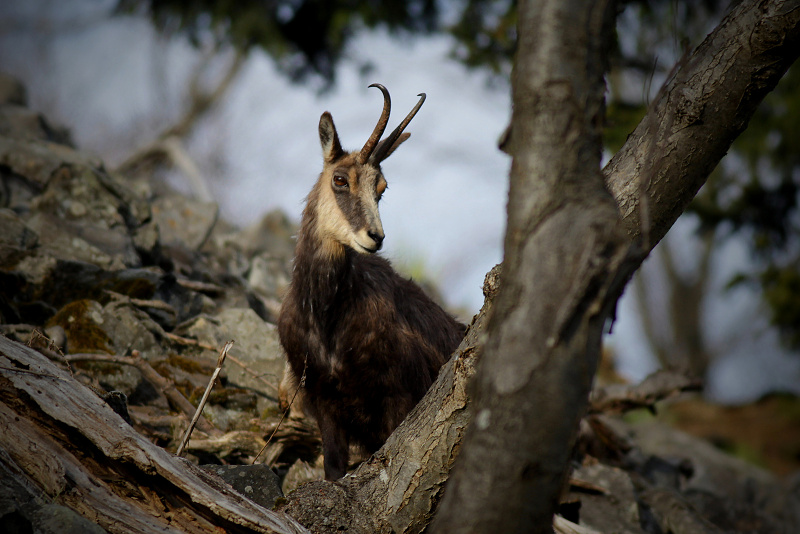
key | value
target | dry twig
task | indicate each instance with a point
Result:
(220, 361)
(189, 342)
(300, 384)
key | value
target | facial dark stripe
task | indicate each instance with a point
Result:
(352, 209)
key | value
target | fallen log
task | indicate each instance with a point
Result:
(59, 438)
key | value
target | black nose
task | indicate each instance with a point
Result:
(378, 238)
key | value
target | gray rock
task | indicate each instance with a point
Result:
(117, 328)
(262, 254)
(228, 420)
(37, 268)
(183, 221)
(44, 283)
(84, 214)
(62, 240)
(129, 329)
(273, 234)
(256, 482)
(36, 161)
(86, 329)
(12, 91)
(268, 276)
(147, 241)
(675, 468)
(16, 238)
(616, 510)
(791, 512)
(256, 345)
(89, 205)
(21, 123)
(17, 191)
(715, 472)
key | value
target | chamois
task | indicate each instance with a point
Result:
(368, 341)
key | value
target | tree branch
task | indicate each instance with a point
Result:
(702, 109)
(169, 145)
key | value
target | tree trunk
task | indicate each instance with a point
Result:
(674, 329)
(564, 247)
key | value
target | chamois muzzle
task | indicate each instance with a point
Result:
(377, 238)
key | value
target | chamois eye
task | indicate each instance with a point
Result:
(339, 181)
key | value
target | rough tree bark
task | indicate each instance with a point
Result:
(563, 250)
(700, 111)
(689, 127)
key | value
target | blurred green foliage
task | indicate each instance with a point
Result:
(757, 197)
(302, 36)
(486, 34)
(781, 284)
(621, 119)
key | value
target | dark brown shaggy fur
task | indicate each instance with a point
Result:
(369, 342)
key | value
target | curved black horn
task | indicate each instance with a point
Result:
(372, 142)
(386, 146)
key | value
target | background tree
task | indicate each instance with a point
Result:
(752, 196)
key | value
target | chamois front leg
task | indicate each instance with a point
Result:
(335, 447)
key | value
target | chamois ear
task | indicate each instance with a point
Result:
(389, 150)
(329, 139)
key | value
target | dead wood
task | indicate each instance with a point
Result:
(238, 440)
(674, 514)
(163, 385)
(60, 437)
(619, 398)
(220, 361)
(562, 526)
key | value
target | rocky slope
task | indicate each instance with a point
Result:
(134, 290)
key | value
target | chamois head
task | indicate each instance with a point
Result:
(345, 199)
